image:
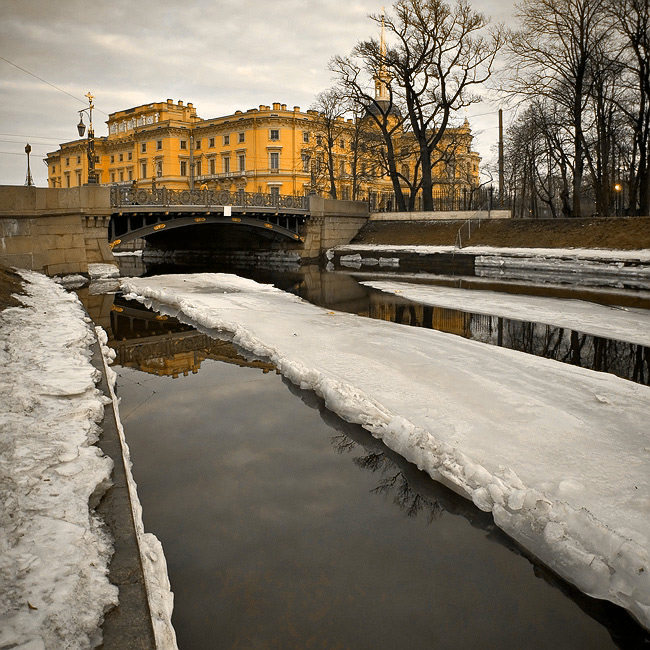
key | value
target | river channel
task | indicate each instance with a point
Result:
(285, 527)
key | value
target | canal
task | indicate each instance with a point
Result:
(286, 527)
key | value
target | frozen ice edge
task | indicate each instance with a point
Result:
(599, 561)
(154, 565)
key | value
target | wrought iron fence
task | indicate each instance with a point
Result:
(448, 200)
(129, 196)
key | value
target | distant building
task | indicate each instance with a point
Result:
(270, 149)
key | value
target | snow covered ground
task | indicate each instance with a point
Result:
(54, 549)
(560, 455)
(622, 323)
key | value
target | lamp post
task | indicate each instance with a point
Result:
(81, 127)
(618, 207)
(29, 181)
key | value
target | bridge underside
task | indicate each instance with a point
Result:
(151, 224)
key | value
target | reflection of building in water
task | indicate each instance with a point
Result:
(387, 308)
(162, 346)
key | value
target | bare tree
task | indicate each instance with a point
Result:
(441, 53)
(330, 128)
(632, 21)
(551, 58)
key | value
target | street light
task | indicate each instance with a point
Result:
(618, 187)
(81, 127)
(29, 181)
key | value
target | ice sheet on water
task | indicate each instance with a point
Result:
(515, 434)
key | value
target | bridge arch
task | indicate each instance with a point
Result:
(138, 212)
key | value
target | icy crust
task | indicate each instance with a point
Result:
(497, 450)
(154, 564)
(596, 254)
(54, 550)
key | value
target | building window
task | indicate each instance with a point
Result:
(342, 144)
(319, 140)
(225, 164)
(274, 134)
(226, 139)
(342, 168)
(305, 162)
(305, 137)
(112, 158)
(129, 156)
(241, 137)
(183, 144)
(213, 166)
(198, 167)
(78, 178)
(121, 157)
(121, 176)
(143, 147)
(159, 168)
(112, 177)
(275, 191)
(197, 145)
(130, 174)
(274, 160)
(67, 164)
(67, 179)
(159, 145)
(242, 162)
(211, 142)
(78, 160)
(183, 168)
(143, 169)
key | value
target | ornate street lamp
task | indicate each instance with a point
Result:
(81, 127)
(29, 181)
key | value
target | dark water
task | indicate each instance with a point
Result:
(285, 527)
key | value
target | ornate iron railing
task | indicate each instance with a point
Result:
(132, 197)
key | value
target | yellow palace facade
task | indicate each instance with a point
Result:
(270, 149)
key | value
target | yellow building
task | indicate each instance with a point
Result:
(270, 149)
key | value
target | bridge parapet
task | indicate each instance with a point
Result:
(124, 197)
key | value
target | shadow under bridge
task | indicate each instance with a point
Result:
(139, 212)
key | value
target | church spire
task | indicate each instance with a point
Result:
(382, 79)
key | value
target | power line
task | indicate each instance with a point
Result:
(32, 142)
(48, 83)
(24, 135)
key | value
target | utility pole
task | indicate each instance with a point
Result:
(501, 173)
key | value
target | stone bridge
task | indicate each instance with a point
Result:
(63, 230)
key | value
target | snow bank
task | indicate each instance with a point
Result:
(560, 455)
(159, 594)
(54, 550)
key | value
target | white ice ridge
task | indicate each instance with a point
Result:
(620, 323)
(559, 454)
(54, 550)
(154, 564)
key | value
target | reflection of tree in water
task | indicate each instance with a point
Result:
(620, 358)
(416, 492)
(393, 480)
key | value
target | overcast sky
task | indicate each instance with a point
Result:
(221, 55)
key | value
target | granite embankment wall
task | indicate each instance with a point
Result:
(53, 230)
